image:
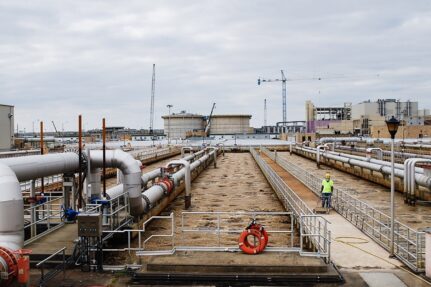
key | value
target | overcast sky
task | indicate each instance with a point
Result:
(62, 58)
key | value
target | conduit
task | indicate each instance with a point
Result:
(11, 210)
(387, 152)
(187, 179)
(155, 193)
(420, 179)
(131, 170)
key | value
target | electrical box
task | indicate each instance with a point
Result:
(90, 225)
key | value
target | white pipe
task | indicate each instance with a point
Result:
(420, 179)
(187, 174)
(387, 152)
(11, 210)
(379, 152)
(410, 174)
(346, 139)
(214, 150)
(184, 148)
(319, 147)
(37, 166)
(131, 171)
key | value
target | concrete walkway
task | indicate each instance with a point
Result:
(373, 258)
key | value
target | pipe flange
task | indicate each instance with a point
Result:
(148, 203)
(11, 261)
(162, 184)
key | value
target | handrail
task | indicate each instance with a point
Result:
(410, 243)
(293, 202)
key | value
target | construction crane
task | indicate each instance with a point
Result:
(264, 113)
(153, 88)
(55, 128)
(207, 128)
(283, 92)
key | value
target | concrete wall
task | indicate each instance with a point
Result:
(406, 132)
(230, 124)
(6, 127)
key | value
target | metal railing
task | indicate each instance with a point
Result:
(44, 278)
(312, 226)
(219, 223)
(48, 215)
(409, 243)
(48, 180)
(153, 153)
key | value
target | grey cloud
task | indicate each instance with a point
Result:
(62, 58)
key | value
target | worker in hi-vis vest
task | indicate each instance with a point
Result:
(326, 190)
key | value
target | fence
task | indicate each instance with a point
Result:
(409, 245)
(312, 227)
(47, 215)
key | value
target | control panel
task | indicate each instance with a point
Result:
(90, 225)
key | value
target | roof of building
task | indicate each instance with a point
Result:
(4, 105)
(182, 115)
(232, 116)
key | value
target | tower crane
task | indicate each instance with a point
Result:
(283, 90)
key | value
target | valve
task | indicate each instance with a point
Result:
(23, 263)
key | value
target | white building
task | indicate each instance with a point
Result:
(6, 127)
(368, 113)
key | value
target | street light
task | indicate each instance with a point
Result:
(169, 123)
(393, 125)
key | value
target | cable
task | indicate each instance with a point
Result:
(364, 241)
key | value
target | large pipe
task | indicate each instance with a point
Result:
(345, 139)
(131, 171)
(387, 152)
(420, 179)
(37, 166)
(187, 179)
(11, 210)
(214, 151)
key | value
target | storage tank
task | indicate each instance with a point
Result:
(177, 125)
(230, 124)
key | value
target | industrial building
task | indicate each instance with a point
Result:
(6, 127)
(368, 113)
(329, 120)
(183, 124)
(365, 118)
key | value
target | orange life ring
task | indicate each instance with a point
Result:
(264, 237)
(247, 247)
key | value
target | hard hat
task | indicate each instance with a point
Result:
(327, 175)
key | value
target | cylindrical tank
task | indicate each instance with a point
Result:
(178, 125)
(230, 124)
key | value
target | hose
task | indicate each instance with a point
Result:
(359, 240)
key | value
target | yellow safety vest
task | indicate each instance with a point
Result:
(327, 186)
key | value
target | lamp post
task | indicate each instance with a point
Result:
(169, 123)
(393, 125)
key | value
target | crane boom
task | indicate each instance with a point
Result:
(207, 128)
(55, 128)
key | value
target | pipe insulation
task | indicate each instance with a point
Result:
(131, 170)
(387, 152)
(156, 192)
(11, 210)
(37, 166)
(420, 179)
